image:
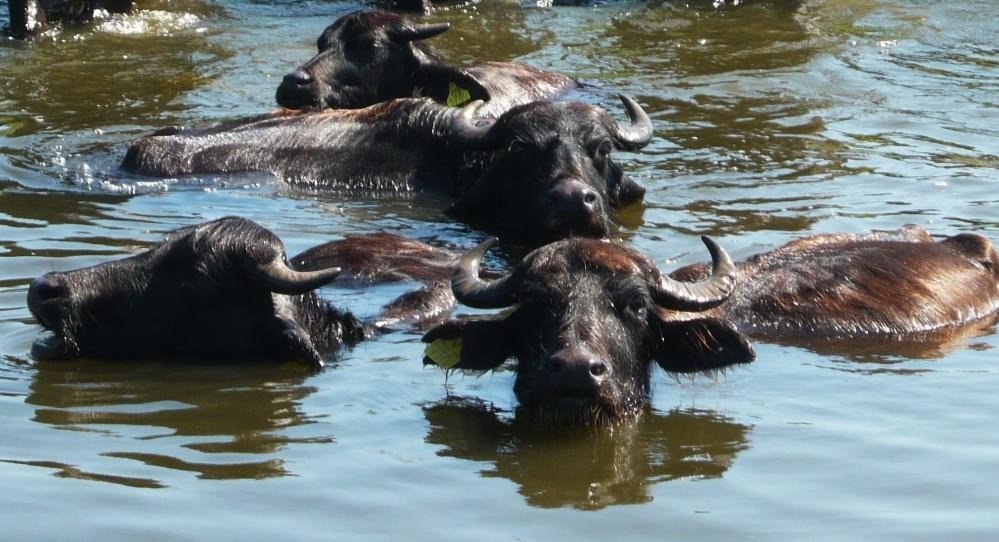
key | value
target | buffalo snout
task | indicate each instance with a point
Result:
(45, 292)
(572, 201)
(46, 287)
(575, 373)
(298, 89)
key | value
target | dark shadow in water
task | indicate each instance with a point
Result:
(216, 409)
(587, 468)
(25, 209)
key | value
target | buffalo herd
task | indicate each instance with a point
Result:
(584, 316)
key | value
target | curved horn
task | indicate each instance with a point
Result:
(639, 133)
(281, 279)
(472, 291)
(698, 296)
(420, 31)
(467, 129)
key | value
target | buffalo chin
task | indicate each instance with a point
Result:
(53, 347)
(294, 98)
(595, 229)
(568, 411)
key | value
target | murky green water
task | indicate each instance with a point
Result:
(772, 122)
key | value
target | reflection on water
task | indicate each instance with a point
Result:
(68, 101)
(95, 79)
(213, 420)
(510, 34)
(585, 468)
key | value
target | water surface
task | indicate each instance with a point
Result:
(773, 120)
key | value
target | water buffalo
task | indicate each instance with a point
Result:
(548, 164)
(369, 56)
(222, 288)
(30, 17)
(591, 316)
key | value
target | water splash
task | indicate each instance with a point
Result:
(148, 22)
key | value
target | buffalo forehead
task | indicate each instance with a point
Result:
(574, 257)
(540, 120)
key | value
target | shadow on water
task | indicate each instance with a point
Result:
(222, 416)
(588, 469)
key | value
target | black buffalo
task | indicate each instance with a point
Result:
(589, 317)
(368, 57)
(541, 171)
(223, 288)
(31, 17)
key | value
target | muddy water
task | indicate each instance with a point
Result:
(773, 120)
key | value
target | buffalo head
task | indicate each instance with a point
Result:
(547, 172)
(223, 288)
(588, 318)
(365, 58)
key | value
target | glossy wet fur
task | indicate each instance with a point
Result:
(199, 294)
(899, 284)
(548, 164)
(585, 330)
(554, 165)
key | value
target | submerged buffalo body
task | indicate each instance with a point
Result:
(222, 288)
(547, 164)
(369, 56)
(896, 285)
(590, 317)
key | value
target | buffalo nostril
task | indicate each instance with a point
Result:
(298, 77)
(572, 197)
(554, 365)
(46, 287)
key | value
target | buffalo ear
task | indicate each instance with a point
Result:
(704, 344)
(474, 344)
(449, 85)
(629, 192)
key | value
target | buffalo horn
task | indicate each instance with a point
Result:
(698, 296)
(420, 32)
(639, 133)
(471, 290)
(280, 278)
(467, 129)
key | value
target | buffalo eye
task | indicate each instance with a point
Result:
(638, 308)
(635, 307)
(517, 146)
(601, 154)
